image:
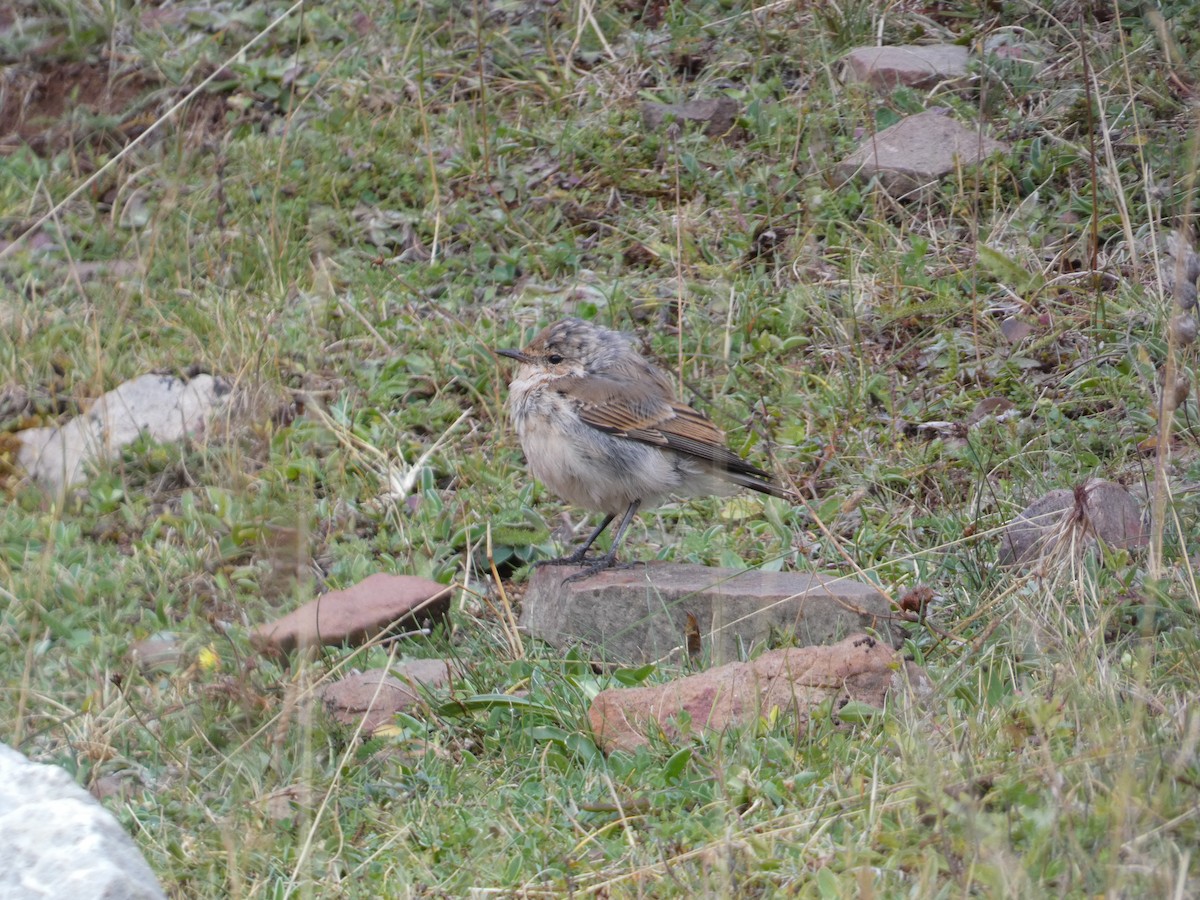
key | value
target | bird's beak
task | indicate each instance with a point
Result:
(513, 354)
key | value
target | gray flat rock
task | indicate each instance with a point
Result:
(718, 116)
(916, 66)
(56, 841)
(640, 614)
(917, 151)
(1062, 524)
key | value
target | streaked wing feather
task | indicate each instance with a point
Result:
(654, 417)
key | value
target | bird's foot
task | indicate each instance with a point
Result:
(608, 561)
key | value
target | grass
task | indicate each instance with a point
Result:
(372, 195)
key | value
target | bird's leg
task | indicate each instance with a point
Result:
(577, 557)
(609, 559)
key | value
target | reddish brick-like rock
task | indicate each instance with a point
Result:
(913, 65)
(793, 681)
(718, 116)
(373, 697)
(917, 152)
(378, 604)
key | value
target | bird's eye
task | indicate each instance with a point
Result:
(555, 358)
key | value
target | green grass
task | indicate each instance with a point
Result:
(372, 196)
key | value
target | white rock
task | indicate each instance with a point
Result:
(163, 407)
(56, 841)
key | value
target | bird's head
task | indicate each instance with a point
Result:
(571, 347)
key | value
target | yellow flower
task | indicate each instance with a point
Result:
(209, 659)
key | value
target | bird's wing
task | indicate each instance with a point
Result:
(648, 414)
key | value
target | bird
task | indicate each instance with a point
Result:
(600, 425)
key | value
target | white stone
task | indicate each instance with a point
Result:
(163, 407)
(56, 841)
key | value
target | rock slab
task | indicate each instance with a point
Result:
(1062, 524)
(717, 116)
(917, 151)
(640, 614)
(374, 696)
(912, 65)
(793, 681)
(163, 407)
(57, 841)
(378, 604)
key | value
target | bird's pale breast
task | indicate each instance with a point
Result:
(586, 466)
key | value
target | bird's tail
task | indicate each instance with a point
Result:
(756, 479)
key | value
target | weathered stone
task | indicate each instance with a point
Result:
(640, 614)
(793, 681)
(162, 407)
(373, 697)
(1014, 47)
(998, 408)
(283, 804)
(718, 116)
(916, 152)
(916, 66)
(57, 841)
(1064, 523)
(377, 605)
(1015, 330)
(162, 652)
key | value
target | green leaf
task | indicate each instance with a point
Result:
(579, 744)
(730, 560)
(549, 733)
(828, 884)
(676, 764)
(630, 677)
(584, 747)
(1009, 271)
(742, 507)
(857, 713)
(486, 702)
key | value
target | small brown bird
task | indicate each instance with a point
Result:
(600, 425)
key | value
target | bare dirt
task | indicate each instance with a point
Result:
(55, 106)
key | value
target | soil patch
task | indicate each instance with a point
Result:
(60, 106)
(57, 105)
